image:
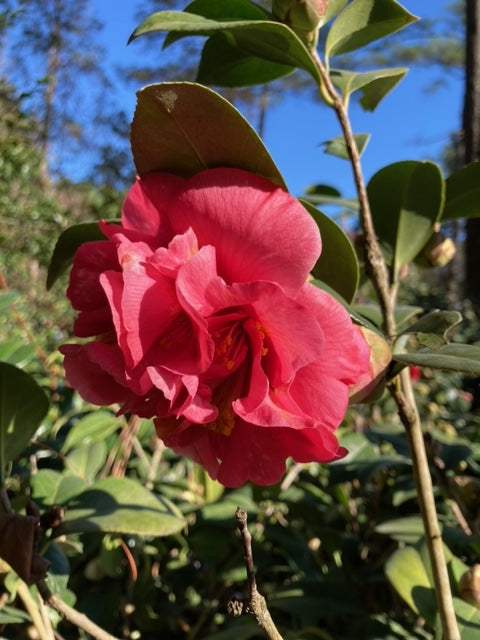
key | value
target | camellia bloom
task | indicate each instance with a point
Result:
(202, 318)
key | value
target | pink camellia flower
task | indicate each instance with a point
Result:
(202, 318)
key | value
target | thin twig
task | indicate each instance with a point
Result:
(257, 604)
(401, 387)
(374, 259)
(407, 409)
(78, 619)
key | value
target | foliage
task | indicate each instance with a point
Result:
(144, 542)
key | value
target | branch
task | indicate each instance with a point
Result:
(67, 613)
(401, 387)
(257, 604)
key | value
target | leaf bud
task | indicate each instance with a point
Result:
(304, 17)
(469, 586)
(438, 251)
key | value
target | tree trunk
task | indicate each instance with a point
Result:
(471, 141)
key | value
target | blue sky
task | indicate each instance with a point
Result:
(411, 123)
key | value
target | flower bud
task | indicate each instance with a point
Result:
(438, 251)
(469, 586)
(371, 386)
(304, 17)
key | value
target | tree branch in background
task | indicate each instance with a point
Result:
(256, 602)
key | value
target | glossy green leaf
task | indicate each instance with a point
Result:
(224, 65)
(268, 40)
(462, 197)
(468, 618)
(67, 243)
(364, 21)
(322, 195)
(23, 406)
(373, 85)
(337, 147)
(433, 329)
(120, 505)
(18, 353)
(408, 529)
(94, 427)
(184, 128)
(454, 357)
(333, 8)
(407, 574)
(406, 200)
(337, 265)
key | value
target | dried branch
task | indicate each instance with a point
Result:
(257, 604)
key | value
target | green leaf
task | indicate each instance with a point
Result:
(468, 618)
(462, 198)
(184, 128)
(224, 65)
(374, 85)
(337, 147)
(403, 313)
(433, 329)
(407, 574)
(337, 265)
(364, 21)
(409, 529)
(86, 460)
(94, 427)
(18, 353)
(464, 358)
(264, 39)
(406, 200)
(120, 505)
(23, 406)
(321, 195)
(51, 487)
(67, 244)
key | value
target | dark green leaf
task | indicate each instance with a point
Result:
(224, 65)
(23, 406)
(184, 128)
(364, 21)
(403, 313)
(270, 41)
(374, 85)
(406, 199)
(462, 198)
(337, 147)
(337, 265)
(67, 244)
(433, 329)
(454, 357)
(120, 505)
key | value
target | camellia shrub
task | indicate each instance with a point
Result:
(220, 337)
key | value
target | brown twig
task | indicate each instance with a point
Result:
(401, 387)
(67, 613)
(257, 604)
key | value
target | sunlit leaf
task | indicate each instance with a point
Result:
(453, 357)
(23, 406)
(406, 200)
(373, 85)
(51, 487)
(67, 244)
(175, 124)
(337, 147)
(94, 427)
(462, 197)
(120, 505)
(337, 265)
(364, 21)
(407, 574)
